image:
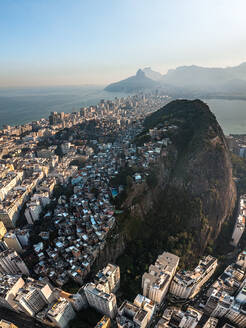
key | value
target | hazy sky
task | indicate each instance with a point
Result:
(68, 42)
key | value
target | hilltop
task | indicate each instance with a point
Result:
(136, 83)
(190, 192)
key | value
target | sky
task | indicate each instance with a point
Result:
(76, 42)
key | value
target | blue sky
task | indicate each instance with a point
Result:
(70, 42)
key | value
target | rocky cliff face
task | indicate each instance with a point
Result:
(113, 248)
(193, 190)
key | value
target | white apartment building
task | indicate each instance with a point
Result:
(237, 314)
(33, 211)
(61, 313)
(241, 260)
(42, 196)
(155, 283)
(241, 296)
(9, 182)
(186, 284)
(238, 230)
(32, 302)
(9, 286)
(11, 263)
(145, 303)
(10, 215)
(3, 230)
(23, 236)
(240, 222)
(218, 303)
(77, 301)
(190, 318)
(211, 323)
(12, 242)
(11, 206)
(103, 302)
(130, 315)
(47, 185)
(109, 277)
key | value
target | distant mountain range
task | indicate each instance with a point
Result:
(183, 80)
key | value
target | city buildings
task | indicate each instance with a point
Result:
(103, 302)
(104, 322)
(240, 222)
(130, 315)
(109, 277)
(190, 318)
(11, 263)
(61, 312)
(211, 323)
(186, 284)
(9, 286)
(73, 206)
(155, 283)
(174, 317)
(12, 242)
(227, 296)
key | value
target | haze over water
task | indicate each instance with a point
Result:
(18, 106)
(231, 114)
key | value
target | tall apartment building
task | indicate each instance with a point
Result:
(33, 211)
(23, 236)
(241, 260)
(109, 277)
(8, 182)
(218, 303)
(10, 208)
(155, 283)
(240, 222)
(9, 286)
(55, 118)
(12, 242)
(9, 215)
(32, 302)
(190, 318)
(61, 313)
(145, 303)
(174, 317)
(11, 263)
(3, 246)
(103, 302)
(237, 314)
(33, 297)
(186, 284)
(130, 315)
(211, 323)
(3, 230)
(238, 230)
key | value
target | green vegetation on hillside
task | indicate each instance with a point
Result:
(166, 229)
(196, 124)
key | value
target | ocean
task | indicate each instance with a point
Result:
(23, 105)
(18, 106)
(231, 114)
